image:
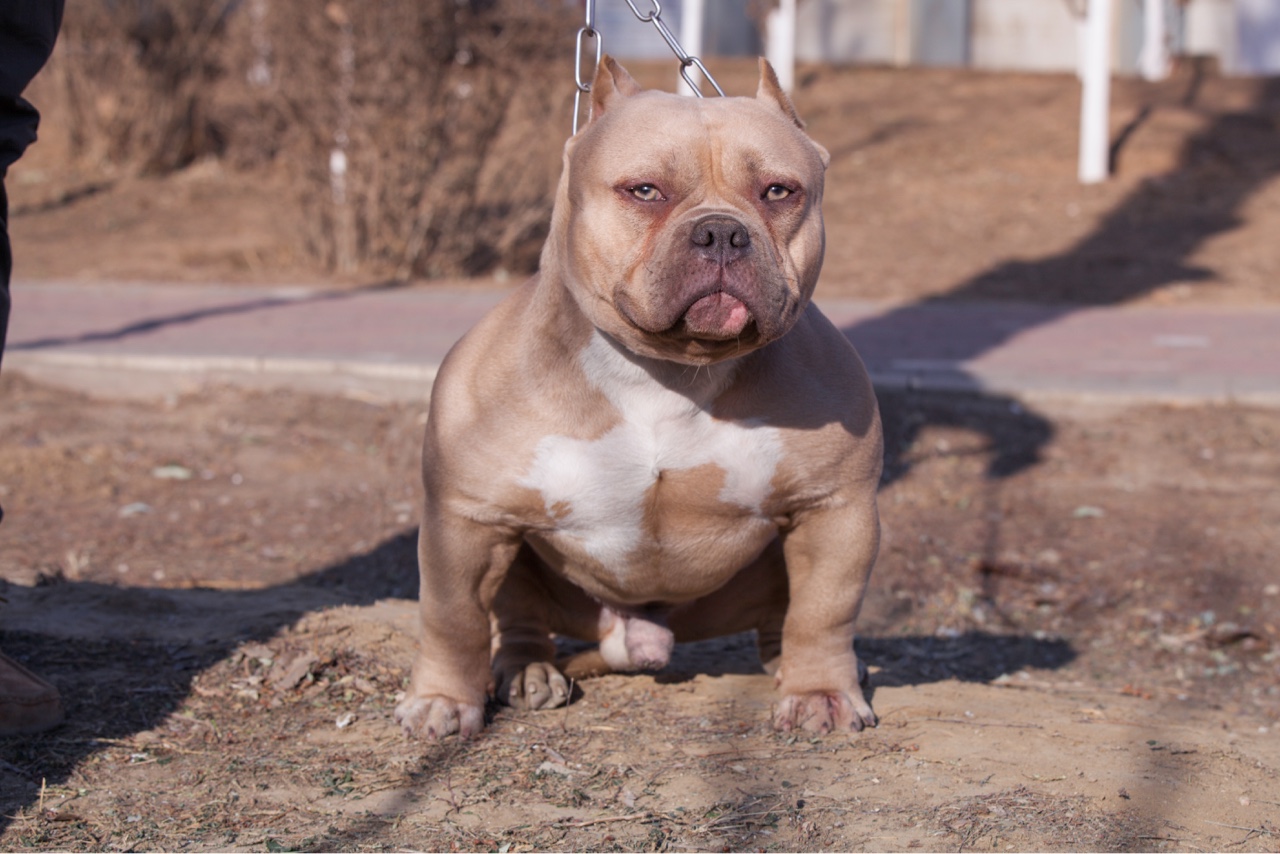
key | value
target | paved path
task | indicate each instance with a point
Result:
(121, 338)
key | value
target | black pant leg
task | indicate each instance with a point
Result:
(6, 265)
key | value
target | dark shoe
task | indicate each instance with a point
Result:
(27, 702)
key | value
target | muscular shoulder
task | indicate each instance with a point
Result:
(809, 378)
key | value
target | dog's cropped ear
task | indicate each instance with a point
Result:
(612, 81)
(771, 90)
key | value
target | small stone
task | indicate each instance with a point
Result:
(137, 508)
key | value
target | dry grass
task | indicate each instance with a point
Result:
(381, 117)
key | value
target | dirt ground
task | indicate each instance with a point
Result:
(1072, 629)
(1072, 632)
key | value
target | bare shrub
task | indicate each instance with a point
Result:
(136, 76)
(419, 136)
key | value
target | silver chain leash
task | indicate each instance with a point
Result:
(588, 33)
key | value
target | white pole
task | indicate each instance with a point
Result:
(780, 50)
(1095, 103)
(902, 33)
(1153, 62)
(690, 40)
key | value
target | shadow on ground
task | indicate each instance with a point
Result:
(114, 687)
(152, 324)
(1170, 216)
(117, 686)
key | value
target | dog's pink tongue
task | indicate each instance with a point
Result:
(717, 315)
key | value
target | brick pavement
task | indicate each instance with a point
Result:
(133, 338)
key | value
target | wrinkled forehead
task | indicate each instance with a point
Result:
(657, 130)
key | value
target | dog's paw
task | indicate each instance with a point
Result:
(434, 716)
(537, 685)
(823, 712)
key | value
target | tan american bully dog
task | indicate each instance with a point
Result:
(658, 438)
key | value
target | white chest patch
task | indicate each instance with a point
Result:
(596, 488)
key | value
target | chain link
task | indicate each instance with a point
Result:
(588, 33)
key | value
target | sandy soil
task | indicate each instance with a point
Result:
(1072, 633)
(1072, 628)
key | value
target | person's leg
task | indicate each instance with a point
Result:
(6, 269)
(27, 702)
(28, 30)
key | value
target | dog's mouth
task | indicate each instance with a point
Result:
(713, 316)
(718, 316)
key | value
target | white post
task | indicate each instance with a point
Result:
(780, 50)
(260, 70)
(1095, 103)
(902, 33)
(1153, 62)
(690, 40)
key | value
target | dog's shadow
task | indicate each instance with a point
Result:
(899, 660)
(118, 683)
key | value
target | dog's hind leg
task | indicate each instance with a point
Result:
(523, 651)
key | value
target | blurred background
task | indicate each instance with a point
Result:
(1004, 35)
(284, 140)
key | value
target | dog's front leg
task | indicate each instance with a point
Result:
(462, 563)
(829, 554)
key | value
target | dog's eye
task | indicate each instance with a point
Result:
(775, 193)
(646, 192)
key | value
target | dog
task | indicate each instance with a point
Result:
(658, 438)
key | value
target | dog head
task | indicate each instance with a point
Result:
(689, 229)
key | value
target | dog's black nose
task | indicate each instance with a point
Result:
(720, 238)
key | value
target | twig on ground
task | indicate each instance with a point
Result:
(1252, 830)
(640, 816)
(981, 723)
(1173, 839)
(452, 800)
(738, 816)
